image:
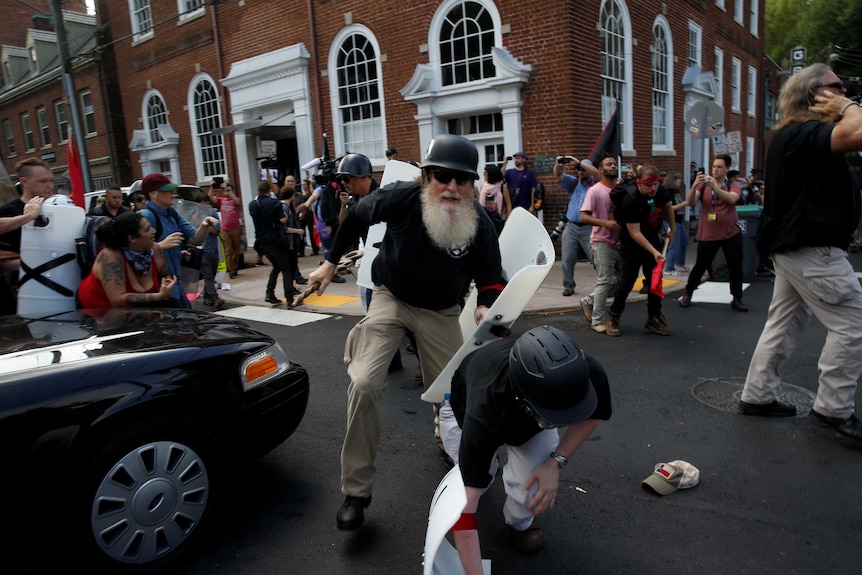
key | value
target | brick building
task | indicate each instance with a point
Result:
(207, 88)
(35, 117)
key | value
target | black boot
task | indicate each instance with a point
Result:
(352, 515)
(270, 298)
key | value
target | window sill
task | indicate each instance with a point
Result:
(661, 152)
(191, 16)
(143, 38)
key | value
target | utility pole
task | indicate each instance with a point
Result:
(69, 88)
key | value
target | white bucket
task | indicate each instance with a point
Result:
(50, 273)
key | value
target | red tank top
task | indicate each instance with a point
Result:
(91, 292)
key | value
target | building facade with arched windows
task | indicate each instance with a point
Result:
(224, 88)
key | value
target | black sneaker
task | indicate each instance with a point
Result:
(850, 427)
(270, 298)
(774, 409)
(352, 515)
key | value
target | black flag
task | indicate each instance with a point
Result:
(609, 140)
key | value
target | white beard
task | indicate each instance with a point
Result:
(449, 227)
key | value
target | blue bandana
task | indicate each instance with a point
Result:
(140, 261)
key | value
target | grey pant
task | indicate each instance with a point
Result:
(609, 266)
(819, 281)
(367, 354)
(574, 235)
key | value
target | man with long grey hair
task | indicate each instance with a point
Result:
(808, 220)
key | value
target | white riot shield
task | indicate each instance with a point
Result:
(446, 507)
(527, 256)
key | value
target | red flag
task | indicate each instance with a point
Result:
(609, 140)
(76, 175)
(655, 284)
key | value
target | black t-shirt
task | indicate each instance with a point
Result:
(483, 401)
(103, 211)
(266, 213)
(648, 212)
(415, 270)
(11, 240)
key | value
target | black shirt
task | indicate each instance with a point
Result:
(648, 212)
(415, 270)
(266, 213)
(11, 240)
(484, 404)
(103, 211)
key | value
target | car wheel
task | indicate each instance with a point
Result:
(147, 497)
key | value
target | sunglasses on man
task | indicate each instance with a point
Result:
(445, 176)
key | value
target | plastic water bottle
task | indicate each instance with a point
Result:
(450, 433)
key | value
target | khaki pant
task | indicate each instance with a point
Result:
(367, 353)
(819, 281)
(231, 242)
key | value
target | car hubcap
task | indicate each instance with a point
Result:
(149, 503)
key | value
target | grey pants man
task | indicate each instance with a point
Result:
(573, 236)
(609, 265)
(821, 281)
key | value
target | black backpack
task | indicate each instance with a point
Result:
(88, 246)
(618, 194)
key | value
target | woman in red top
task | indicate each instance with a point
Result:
(130, 270)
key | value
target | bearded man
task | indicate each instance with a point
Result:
(438, 238)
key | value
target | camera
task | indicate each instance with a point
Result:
(508, 157)
(701, 171)
(218, 182)
(561, 225)
(564, 160)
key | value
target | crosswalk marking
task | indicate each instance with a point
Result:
(276, 316)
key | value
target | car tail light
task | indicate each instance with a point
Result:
(263, 367)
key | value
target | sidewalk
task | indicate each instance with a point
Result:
(250, 287)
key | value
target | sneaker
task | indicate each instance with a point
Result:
(773, 409)
(673, 273)
(644, 289)
(587, 308)
(737, 305)
(850, 427)
(612, 326)
(352, 513)
(684, 269)
(260, 264)
(215, 302)
(657, 325)
(685, 299)
(270, 298)
(529, 540)
(598, 328)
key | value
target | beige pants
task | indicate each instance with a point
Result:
(808, 281)
(367, 354)
(231, 242)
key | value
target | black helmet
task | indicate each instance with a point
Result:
(354, 165)
(549, 372)
(452, 152)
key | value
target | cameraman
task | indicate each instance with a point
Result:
(574, 233)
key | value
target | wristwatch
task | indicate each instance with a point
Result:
(561, 461)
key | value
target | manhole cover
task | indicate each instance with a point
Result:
(723, 393)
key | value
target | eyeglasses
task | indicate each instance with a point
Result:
(834, 85)
(445, 176)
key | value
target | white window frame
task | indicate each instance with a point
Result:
(62, 120)
(752, 91)
(44, 127)
(482, 59)
(662, 24)
(720, 5)
(141, 17)
(187, 10)
(375, 146)
(695, 39)
(754, 17)
(749, 155)
(616, 73)
(735, 85)
(206, 167)
(27, 129)
(718, 75)
(88, 112)
(151, 122)
(739, 10)
(11, 152)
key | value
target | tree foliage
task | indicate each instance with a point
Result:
(828, 29)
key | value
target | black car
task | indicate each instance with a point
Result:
(119, 429)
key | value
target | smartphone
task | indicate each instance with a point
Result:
(564, 160)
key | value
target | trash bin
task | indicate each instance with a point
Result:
(749, 224)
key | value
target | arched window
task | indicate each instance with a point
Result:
(357, 93)
(156, 114)
(466, 39)
(616, 71)
(662, 86)
(205, 118)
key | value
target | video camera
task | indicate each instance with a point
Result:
(328, 166)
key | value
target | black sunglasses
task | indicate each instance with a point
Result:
(834, 85)
(445, 176)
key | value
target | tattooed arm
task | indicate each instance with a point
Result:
(110, 269)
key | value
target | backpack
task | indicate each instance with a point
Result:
(88, 246)
(618, 194)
